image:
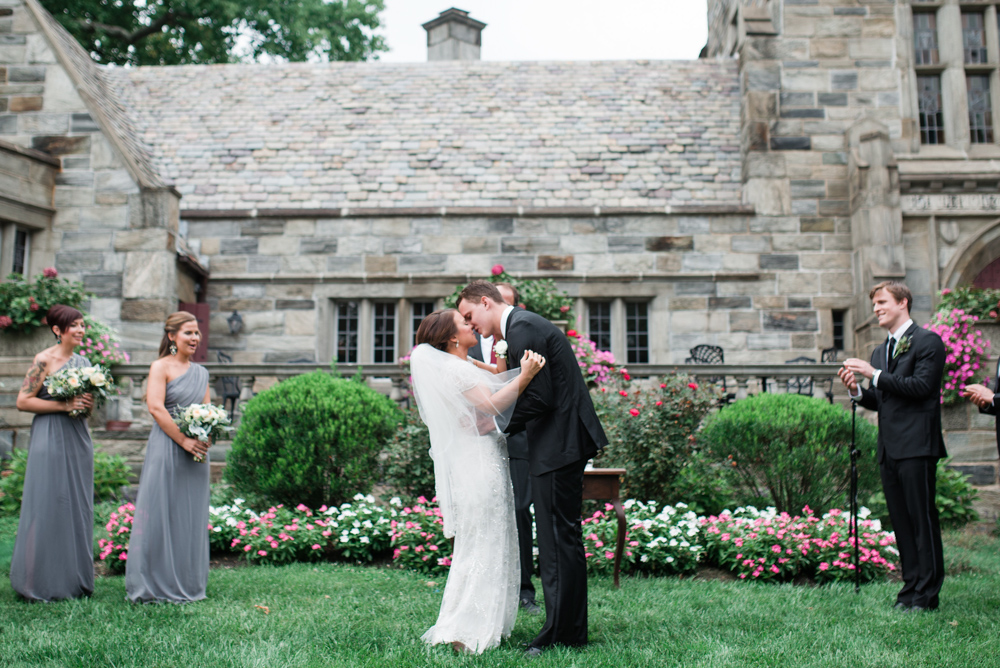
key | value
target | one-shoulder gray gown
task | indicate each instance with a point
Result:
(54, 549)
(168, 549)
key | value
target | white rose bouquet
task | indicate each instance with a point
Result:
(500, 348)
(205, 422)
(66, 384)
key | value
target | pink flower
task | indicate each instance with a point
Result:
(262, 553)
(572, 334)
(563, 309)
(50, 272)
(315, 547)
(633, 412)
(659, 403)
(693, 386)
(497, 269)
(123, 556)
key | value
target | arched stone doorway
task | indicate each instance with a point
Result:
(977, 262)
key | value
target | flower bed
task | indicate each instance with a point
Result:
(418, 538)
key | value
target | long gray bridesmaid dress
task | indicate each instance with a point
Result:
(168, 549)
(54, 549)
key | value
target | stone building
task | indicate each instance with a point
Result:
(745, 199)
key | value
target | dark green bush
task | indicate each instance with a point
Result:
(311, 439)
(954, 499)
(707, 487)
(111, 474)
(407, 466)
(650, 428)
(791, 451)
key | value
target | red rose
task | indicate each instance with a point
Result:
(663, 386)
(34, 306)
(623, 393)
(5, 321)
(50, 272)
(693, 386)
(572, 333)
(563, 309)
(659, 403)
(497, 269)
(633, 412)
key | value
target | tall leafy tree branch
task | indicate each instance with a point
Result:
(179, 32)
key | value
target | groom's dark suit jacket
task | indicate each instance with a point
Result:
(908, 398)
(555, 409)
(517, 444)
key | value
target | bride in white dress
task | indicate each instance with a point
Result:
(464, 408)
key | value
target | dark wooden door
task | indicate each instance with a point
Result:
(200, 311)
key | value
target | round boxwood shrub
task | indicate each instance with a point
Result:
(311, 439)
(791, 451)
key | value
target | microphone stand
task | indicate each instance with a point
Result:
(853, 529)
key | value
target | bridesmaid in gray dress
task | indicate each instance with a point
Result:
(168, 549)
(54, 549)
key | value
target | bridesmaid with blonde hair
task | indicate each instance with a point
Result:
(54, 552)
(168, 549)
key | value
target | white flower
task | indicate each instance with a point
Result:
(500, 348)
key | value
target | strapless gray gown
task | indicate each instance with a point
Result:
(54, 549)
(168, 549)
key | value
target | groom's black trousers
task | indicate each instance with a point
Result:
(557, 496)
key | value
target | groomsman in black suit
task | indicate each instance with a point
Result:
(517, 450)
(563, 433)
(905, 388)
(985, 398)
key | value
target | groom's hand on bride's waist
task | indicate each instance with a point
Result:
(485, 424)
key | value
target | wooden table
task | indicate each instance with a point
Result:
(601, 485)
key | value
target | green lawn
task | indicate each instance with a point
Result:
(336, 615)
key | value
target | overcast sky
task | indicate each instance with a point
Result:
(557, 29)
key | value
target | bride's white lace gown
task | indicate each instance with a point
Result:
(479, 606)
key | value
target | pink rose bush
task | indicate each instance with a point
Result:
(765, 545)
(597, 366)
(101, 344)
(418, 541)
(965, 348)
(113, 549)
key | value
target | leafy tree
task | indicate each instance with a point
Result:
(178, 32)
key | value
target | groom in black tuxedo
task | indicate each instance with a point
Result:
(905, 388)
(563, 433)
(986, 398)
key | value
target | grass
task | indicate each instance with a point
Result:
(337, 615)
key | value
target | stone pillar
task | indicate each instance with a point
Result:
(454, 36)
(876, 217)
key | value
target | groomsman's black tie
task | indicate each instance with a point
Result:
(889, 349)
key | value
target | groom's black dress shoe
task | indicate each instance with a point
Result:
(532, 652)
(902, 607)
(530, 607)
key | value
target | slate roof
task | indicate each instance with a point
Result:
(456, 134)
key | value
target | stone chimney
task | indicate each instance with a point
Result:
(454, 36)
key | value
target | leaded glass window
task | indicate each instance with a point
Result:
(420, 310)
(931, 114)
(980, 108)
(974, 37)
(347, 332)
(925, 39)
(599, 324)
(384, 333)
(637, 332)
(21, 241)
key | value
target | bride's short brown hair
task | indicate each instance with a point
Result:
(438, 328)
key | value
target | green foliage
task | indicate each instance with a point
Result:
(23, 305)
(650, 429)
(177, 32)
(407, 466)
(974, 301)
(954, 498)
(311, 439)
(540, 296)
(792, 450)
(111, 473)
(706, 486)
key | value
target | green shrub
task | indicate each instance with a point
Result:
(407, 466)
(650, 429)
(312, 439)
(707, 487)
(791, 450)
(23, 305)
(954, 498)
(974, 301)
(111, 473)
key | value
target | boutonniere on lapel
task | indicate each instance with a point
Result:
(902, 346)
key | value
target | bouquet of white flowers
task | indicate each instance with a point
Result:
(69, 383)
(205, 422)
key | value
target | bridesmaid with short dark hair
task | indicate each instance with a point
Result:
(54, 549)
(168, 548)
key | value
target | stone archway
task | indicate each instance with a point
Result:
(973, 261)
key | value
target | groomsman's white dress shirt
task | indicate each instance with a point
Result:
(895, 336)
